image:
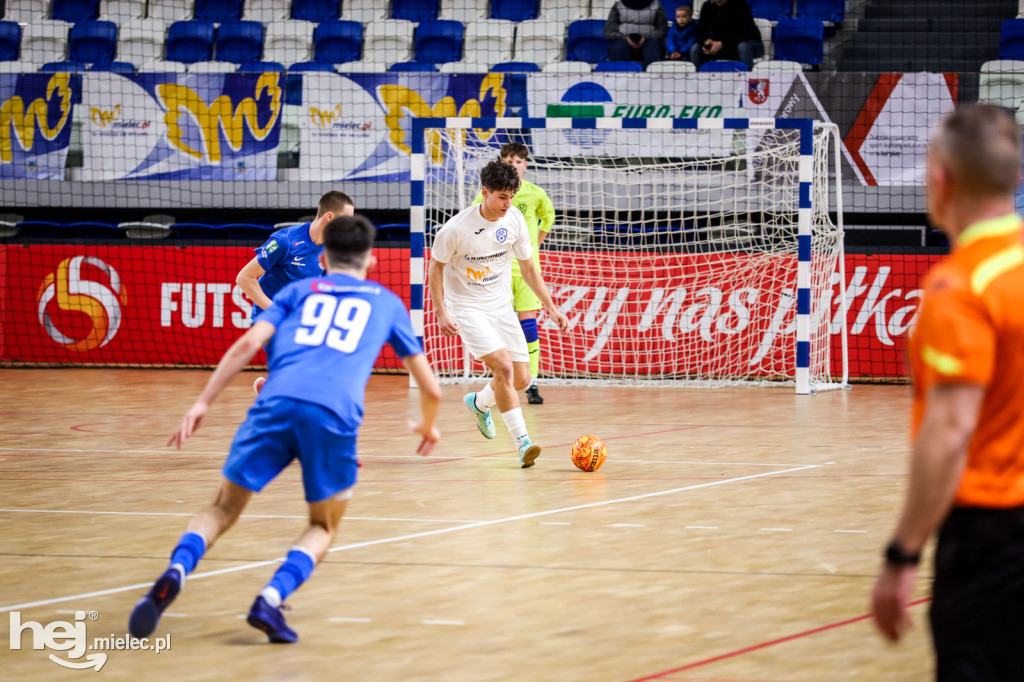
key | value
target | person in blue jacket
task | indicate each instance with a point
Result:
(682, 34)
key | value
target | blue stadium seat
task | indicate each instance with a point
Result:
(671, 5)
(66, 66)
(1011, 39)
(618, 66)
(90, 229)
(42, 228)
(822, 10)
(218, 11)
(722, 66)
(800, 40)
(415, 10)
(247, 231)
(93, 41)
(10, 40)
(437, 42)
(316, 10)
(772, 10)
(261, 67)
(412, 66)
(311, 66)
(586, 41)
(198, 231)
(74, 11)
(189, 41)
(336, 42)
(515, 67)
(293, 81)
(515, 10)
(113, 67)
(239, 42)
(393, 232)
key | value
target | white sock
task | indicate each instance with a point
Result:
(485, 398)
(272, 596)
(181, 573)
(515, 423)
(533, 383)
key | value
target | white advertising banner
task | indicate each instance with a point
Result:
(618, 95)
(167, 126)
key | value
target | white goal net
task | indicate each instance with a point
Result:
(679, 267)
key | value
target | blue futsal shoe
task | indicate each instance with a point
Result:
(483, 419)
(146, 613)
(528, 453)
(270, 620)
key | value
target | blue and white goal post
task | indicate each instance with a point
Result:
(702, 252)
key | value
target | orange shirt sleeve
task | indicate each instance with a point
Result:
(956, 338)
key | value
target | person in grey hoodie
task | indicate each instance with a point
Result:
(636, 31)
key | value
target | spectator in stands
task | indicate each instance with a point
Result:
(726, 30)
(682, 35)
(636, 30)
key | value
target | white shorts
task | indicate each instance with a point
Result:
(485, 332)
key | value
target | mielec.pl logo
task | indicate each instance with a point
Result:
(72, 638)
(58, 636)
(100, 301)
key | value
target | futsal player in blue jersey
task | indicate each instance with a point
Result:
(288, 256)
(325, 334)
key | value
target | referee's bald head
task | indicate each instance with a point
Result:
(979, 146)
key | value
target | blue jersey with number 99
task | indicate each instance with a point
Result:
(330, 331)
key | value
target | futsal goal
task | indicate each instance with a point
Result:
(691, 252)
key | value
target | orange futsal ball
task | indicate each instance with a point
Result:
(589, 453)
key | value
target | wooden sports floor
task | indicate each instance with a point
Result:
(733, 535)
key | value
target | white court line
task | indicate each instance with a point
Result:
(413, 536)
(627, 525)
(350, 620)
(838, 530)
(444, 457)
(244, 516)
(443, 622)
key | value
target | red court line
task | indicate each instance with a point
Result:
(562, 445)
(764, 645)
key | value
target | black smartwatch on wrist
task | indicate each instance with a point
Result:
(895, 555)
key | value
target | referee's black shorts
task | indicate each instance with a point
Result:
(977, 611)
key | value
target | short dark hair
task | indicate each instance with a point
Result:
(980, 145)
(333, 202)
(498, 176)
(347, 240)
(514, 149)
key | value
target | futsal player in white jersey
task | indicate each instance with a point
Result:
(470, 286)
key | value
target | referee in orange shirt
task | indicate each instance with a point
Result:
(967, 466)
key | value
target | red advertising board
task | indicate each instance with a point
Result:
(81, 304)
(136, 305)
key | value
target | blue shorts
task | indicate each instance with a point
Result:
(278, 430)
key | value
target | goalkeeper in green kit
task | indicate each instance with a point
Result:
(536, 207)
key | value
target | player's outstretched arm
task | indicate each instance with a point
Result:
(236, 357)
(435, 283)
(533, 279)
(248, 280)
(430, 400)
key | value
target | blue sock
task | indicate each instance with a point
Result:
(189, 551)
(530, 329)
(292, 573)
